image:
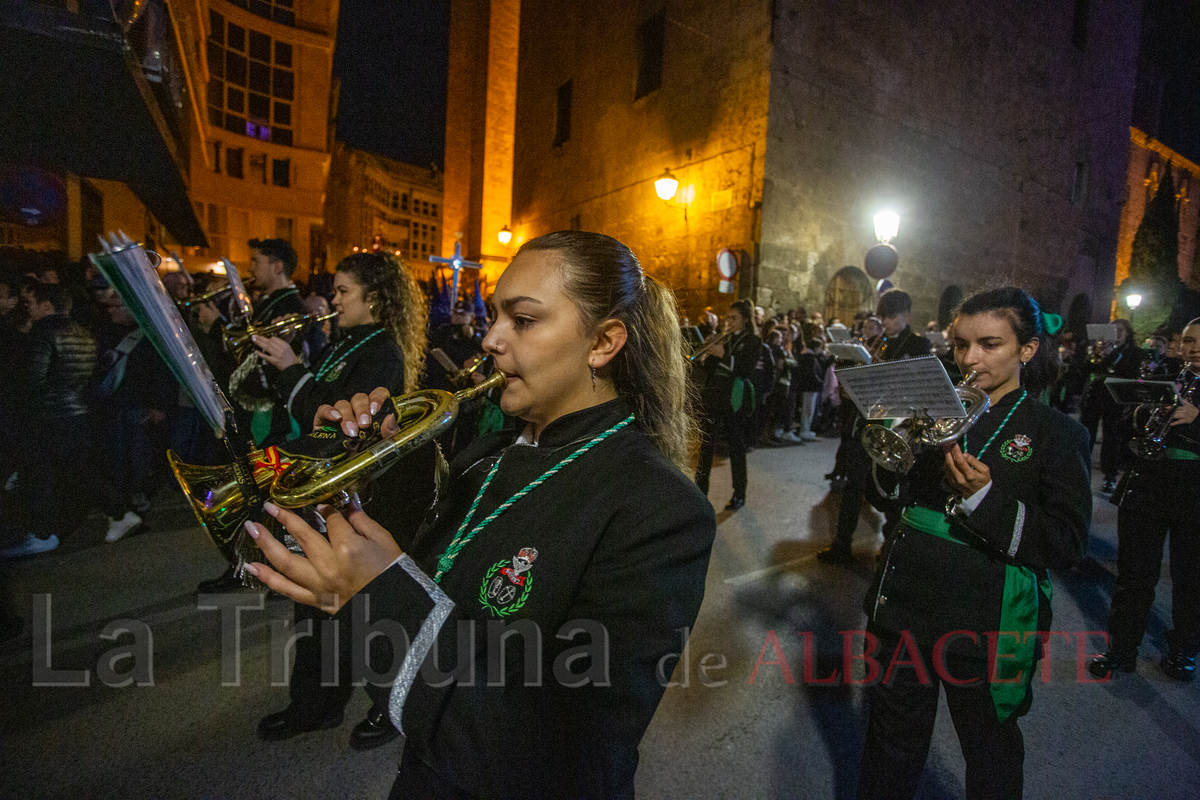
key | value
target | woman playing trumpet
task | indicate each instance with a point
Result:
(380, 342)
(578, 530)
(966, 568)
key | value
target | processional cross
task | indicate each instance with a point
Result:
(456, 264)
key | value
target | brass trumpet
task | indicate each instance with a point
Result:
(186, 305)
(709, 345)
(239, 341)
(895, 449)
(462, 378)
(322, 467)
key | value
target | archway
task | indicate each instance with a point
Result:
(849, 292)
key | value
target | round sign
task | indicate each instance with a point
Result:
(727, 263)
(881, 261)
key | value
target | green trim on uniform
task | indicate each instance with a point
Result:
(1179, 454)
(1013, 668)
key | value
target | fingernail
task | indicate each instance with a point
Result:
(271, 509)
(351, 429)
(253, 570)
(364, 420)
(250, 529)
(374, 408)
(334, 414)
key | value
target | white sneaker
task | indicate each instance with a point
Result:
(793, 438)
(778, 436)
(808, 436)
(117, 528)
(30, 547)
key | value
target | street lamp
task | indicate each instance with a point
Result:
(887, 225)
(505, 235)
(1133, 301)
(666, 185)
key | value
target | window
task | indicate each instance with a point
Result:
(233, 162)
(216, 157)
(284, 228)
(1079, 182)
(650, 55)
(434, 207)
(281, 171)
(250, 77)
(395, 199)
(404, 202)
(281, 11)
(1079, 25)
(425, 208)
(258, 167)
(562, 115)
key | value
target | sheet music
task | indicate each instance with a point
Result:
(850, 352)
(1132, 391)
(895, 389)
(838, 335)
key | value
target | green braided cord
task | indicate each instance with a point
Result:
(1020, 400)
(460, 541)
(330, 363)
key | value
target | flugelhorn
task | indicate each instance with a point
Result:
(895, 449)
(239, 341)
(322, 467)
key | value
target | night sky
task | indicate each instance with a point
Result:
(391, 58)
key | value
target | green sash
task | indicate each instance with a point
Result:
(1179, 454)
(1013, 668)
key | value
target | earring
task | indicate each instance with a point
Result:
(593, 366)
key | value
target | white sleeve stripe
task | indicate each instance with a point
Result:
(442, 606)
(307, 377)
(1018, 529)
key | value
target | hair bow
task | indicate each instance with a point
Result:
(1052, 323)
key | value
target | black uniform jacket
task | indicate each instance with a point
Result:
(742, 352)
(1036, 514)
(618, 538)
(1166, 487)
(359, 360)
(905, 344)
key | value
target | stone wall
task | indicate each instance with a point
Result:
(707, 123)
(1001, 144)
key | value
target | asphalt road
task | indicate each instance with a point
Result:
(724, 730)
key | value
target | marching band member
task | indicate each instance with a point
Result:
(380, 342)
(729, 398)
(579, 527)
(1160, 498)
(1098, 407)
(959, 569)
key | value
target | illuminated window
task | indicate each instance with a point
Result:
(252, 83)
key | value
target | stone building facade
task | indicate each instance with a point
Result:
(376, 201)
(998, 131)
(259, 165)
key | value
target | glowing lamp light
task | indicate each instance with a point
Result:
(887, 225)
(1133, 300)
(356, 249)
(666, 185)
(505, 235)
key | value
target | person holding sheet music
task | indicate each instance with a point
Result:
(982, 521)
(1160, 498)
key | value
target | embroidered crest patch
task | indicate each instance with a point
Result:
(332, 374)
(506, 586)
(1017, 449)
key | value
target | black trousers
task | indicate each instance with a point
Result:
(1141, 535)
(1100, 409)
(900, 728)
(734, 427)
(315, 689)
(856, 469)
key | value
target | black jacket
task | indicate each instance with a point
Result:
(61, 360)
(360, 359)
(905, 344)
(1036, 514)
(742, 354)
(620, 538)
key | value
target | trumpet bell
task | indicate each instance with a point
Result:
(218, 502)
(888, 448)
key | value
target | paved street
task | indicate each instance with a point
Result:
(189, 736)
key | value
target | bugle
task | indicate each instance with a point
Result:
(239, 341)
(708, 346)
(1151, 443)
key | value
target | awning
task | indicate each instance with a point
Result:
(74, 100)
